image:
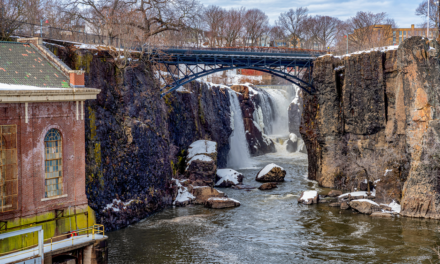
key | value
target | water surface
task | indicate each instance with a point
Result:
(271, 227)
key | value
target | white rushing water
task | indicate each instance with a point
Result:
(238, 156)
(280, 105)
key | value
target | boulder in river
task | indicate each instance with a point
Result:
(243, 187)
(228, 178)
(344, 206)
(219, 203)
(381, 214)
(365, 206)
(202, 162)
(334, 193)
(268, 186)
(203, 193)
(292, 143)
(271, 173)
(309, 197)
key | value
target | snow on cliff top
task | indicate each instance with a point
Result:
(227, 175)
(267, 169)
(201, 147)
(382, 49)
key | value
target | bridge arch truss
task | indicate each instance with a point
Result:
(178, 67)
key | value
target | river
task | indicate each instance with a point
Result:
(271, 227)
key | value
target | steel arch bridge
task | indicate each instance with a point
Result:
(178, 66)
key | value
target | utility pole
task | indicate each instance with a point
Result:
(427, 17)
(438, 24)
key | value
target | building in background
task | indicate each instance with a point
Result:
(386, 35)
(42, 147)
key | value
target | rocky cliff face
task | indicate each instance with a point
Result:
(135, 140)
(379, 110)
(199, 112)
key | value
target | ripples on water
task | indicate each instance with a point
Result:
(271, 227)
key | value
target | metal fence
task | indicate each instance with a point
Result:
(24, 29)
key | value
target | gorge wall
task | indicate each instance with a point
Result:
(379, 110)
(136, 141)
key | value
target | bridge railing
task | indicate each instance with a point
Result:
(256, 49)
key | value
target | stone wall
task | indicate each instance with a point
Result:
(385, 105)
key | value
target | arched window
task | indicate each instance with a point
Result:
(54, 163)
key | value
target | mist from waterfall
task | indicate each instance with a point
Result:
(238, 156)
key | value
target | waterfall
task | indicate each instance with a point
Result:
(238, 156)
(280, 105)
(264, 114)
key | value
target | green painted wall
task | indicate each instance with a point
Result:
(51, 228)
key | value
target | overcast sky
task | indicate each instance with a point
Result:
(403, 11)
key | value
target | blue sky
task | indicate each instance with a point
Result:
(403, 11)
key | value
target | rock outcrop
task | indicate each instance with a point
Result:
(204, 193)
(268, 186)
(228, 178)
(295, 144)
(271, 173)
(365, 206)
(202, 163)
(385, 104)
(220, 203)
(334, 193)
(309, 197)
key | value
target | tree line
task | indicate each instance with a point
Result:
(190, 23)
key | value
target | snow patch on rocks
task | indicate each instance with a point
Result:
(183, 195)
(366, 200)
(115, 205)
(202, 147)
(308, 195)
(357, 194)
(227, 175)
(182, 89)
(395, 207)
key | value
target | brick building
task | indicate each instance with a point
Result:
(42, 165)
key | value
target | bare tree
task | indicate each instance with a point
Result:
(276, 33)
(150, 17)
(370, 30)
(12, 13)
(323, 30)
(233, 25)
(197, 26)
(292, 22)
(255, 26)
(215, 19)
(422, 10)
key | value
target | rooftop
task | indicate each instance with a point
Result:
(22, 64)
